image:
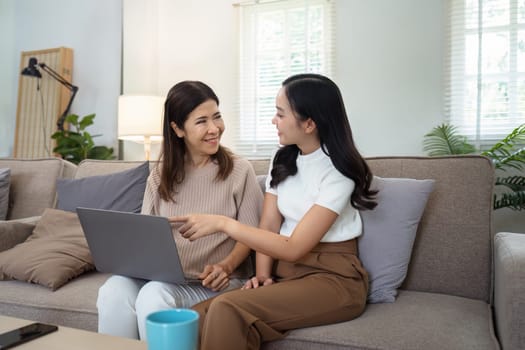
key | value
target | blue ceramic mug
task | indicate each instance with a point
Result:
(173, 329)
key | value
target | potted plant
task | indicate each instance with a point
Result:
(76, 144)
(509, 153)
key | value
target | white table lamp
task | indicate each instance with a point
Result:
(140, 119)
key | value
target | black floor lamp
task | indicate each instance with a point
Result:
(33, 71)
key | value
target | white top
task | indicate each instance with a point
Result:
(317, 182)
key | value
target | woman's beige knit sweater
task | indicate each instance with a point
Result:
(238, 197)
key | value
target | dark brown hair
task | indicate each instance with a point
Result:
(182, 99)
(317, 97)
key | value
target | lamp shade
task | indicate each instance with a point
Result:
(140, 117)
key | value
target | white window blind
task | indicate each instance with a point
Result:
(277, 39)
(485, 68)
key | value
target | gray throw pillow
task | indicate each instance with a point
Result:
(385, 247)
(121, 191)
(5, 179)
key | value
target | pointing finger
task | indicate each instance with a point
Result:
(175, 219)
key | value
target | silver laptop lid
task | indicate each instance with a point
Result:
(132, 245)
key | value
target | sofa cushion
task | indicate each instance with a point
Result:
(455, 232)
(122, 191)
(33, 184)
(72, 305)
(13, 233)
(509, 284)
(55, 252)
(5, 175)
(417, 320)
(389, 231)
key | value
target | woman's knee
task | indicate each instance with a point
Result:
(153, 295)
(118, 290)
(226, 302)
(151, 289)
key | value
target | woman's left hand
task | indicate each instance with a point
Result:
(258, 281)
(195, 226)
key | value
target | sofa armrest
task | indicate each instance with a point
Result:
(13, 232)
(509, 289)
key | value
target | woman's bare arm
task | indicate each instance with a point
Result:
(271, 220)
(308, 232)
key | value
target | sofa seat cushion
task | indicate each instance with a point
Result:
(73, 305)
(416, 320)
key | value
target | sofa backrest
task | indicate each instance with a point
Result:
(93, 167)
(452, 252)
(33, 184)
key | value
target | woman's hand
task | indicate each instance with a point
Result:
(195, 226)
(258, 281)
(215, 277)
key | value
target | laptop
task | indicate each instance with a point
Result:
(132, 245)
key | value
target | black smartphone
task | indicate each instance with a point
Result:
(25, 334)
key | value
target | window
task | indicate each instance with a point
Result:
(485, 70)
(277, 39)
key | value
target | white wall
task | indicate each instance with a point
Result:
(92, 28)
(8, 71)
(140, 47)
(389, 68)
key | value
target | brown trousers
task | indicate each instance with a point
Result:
(328, 285)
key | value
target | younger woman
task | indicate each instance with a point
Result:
(308, 272)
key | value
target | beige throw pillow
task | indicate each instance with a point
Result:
(55, 253)
(13, 233)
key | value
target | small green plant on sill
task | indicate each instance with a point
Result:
(509, 153)
(76, 143)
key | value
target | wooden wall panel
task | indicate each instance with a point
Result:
(41, 102)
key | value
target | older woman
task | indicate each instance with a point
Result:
(195, 173)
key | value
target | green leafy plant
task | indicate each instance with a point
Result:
(509, 153)
(444, 140)
(76, 143)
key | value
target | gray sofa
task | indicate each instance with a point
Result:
(465, 287)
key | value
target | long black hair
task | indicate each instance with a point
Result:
(182, 99)
(317, 97)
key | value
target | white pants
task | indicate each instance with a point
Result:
(124, 303)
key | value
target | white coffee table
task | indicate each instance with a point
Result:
(70, 338)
